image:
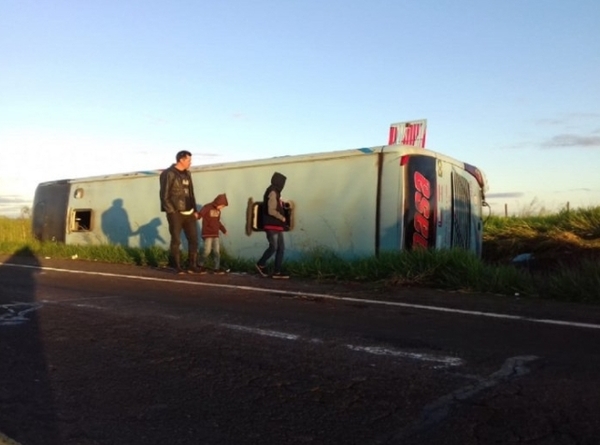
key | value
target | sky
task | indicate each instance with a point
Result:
(99, 87)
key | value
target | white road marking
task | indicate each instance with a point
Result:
(444, 361)
(264, 332)
(90, 306)
(77, 300)
(324, 296)
(13, 314)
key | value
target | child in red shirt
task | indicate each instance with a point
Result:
(210, 214)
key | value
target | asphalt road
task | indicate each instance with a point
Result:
(93, 353)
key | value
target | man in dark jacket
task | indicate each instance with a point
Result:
(274, 223)
(178, 202)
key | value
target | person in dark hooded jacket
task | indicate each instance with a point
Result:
(210, 214)
(274, 224)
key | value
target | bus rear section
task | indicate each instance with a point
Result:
(50, 206)
(442, 204)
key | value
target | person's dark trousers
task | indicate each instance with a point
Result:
(276, 246)
(178, 223)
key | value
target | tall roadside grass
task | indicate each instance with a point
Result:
(583, 223)
(442, 269)
(15, 230)
(564, 236)
(565, 248)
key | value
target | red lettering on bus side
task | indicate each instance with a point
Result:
(422, 225)
(422, 210)
(419, 241)
(422, 184)
(422, 204)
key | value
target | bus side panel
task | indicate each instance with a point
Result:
(391, 205)
(420, 202)
(122, 211)
(334, 204)
(50, 211)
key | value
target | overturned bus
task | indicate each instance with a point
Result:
(355, 203)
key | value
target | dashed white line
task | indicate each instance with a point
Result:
(442, 360)
(264, 332)
(89, 306)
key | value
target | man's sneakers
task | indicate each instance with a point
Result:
(279, 276)
(261, 270)
(200, 270)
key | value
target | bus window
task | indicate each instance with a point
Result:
(81, 220)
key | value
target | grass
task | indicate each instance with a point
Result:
(564, 249)
(566, 234)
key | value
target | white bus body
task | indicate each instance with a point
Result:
(355, 203)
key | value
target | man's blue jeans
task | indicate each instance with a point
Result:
(276, 246)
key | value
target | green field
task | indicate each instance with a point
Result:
(563, 251)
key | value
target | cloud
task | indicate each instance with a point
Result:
(504, 195)
(571, 140)
(523, 145)
(552, 122)
(14, 199)
(567, 119)
(576, 116)
(12, 205)
(586, 190)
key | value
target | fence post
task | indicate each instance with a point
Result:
(506, 210)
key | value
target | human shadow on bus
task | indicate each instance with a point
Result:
(149, 234)
(115, 224)
(27, 408)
